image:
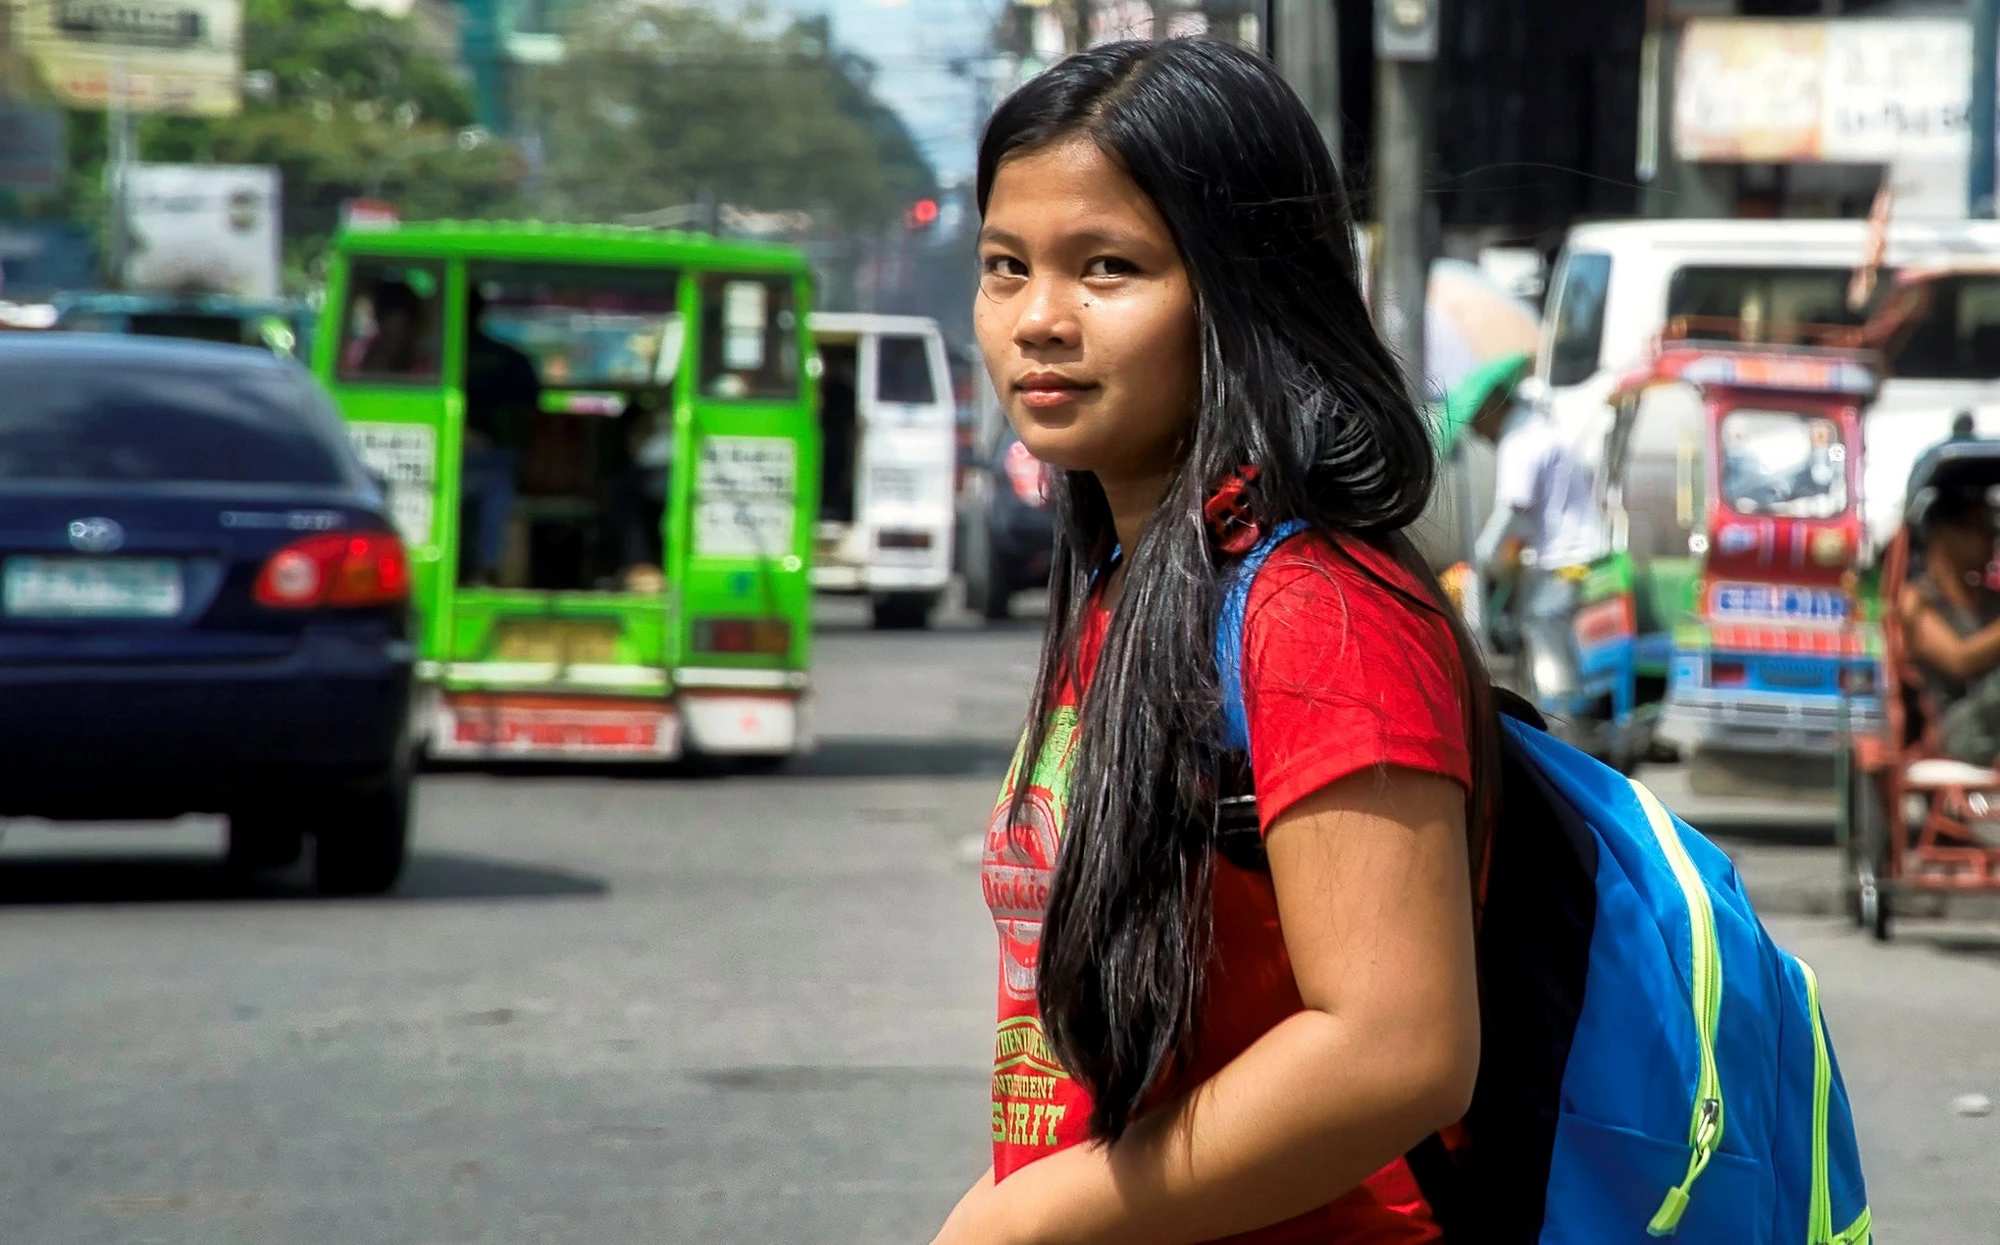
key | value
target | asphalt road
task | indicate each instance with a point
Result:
(666, 1008)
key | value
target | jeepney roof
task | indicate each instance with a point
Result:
(130, 303)
(538, 240)
(1791, 369)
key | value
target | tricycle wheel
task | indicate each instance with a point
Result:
(1873, 903)
(1868, 856)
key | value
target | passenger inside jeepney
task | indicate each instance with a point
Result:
(639, 503)
(502, 391)
(1951, 616)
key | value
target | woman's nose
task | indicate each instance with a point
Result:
(1048, 317)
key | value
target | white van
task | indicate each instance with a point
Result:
(887, 461)
(1617, 285)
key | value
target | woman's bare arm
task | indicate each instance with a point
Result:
(1374, 897)
(1936, 645)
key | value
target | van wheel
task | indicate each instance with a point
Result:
(361, 838)
(902, 611)
(263, 837)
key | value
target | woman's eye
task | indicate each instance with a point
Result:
(1109, 266)
(1002, 266)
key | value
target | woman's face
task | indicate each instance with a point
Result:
(1086, 315)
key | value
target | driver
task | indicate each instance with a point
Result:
(1953, 622)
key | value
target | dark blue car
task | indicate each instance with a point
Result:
(203, 605)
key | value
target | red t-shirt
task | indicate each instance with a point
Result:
(1339, 674)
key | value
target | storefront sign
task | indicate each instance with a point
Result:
(175, 56)
(1853, 92)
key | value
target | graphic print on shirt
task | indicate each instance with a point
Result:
(1032, 1095)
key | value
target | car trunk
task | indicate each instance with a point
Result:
(150, 573)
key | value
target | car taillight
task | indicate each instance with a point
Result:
(1027, 475)
(742, 635)
(1727, 674)
(337, 569)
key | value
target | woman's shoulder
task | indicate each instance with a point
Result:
(1338, 602)
(1341, 573)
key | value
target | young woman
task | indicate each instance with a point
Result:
(1198, 1043)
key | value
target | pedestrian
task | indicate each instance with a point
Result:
(1206, 1034)
(1544, 530)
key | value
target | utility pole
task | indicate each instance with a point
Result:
(117, 172)
(1985, 37)
(1308, 55)
(1405, 46)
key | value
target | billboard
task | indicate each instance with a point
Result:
(209, 228)
(1861, 91)
(175, 56)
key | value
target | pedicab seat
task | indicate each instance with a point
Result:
(1937, 773)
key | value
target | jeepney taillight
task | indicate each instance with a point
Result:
(765, 636)
(1727, 674)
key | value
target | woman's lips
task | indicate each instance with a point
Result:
(1048, 391)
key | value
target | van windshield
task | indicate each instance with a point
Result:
(1783, 464)
(1775, 305)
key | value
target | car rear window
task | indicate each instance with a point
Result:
(109, 420)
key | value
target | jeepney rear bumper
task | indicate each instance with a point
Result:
(1723, 721)
(711, 712)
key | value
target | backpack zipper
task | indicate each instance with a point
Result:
(1705, 989)
(1819, 1212)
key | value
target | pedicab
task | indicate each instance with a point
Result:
(1913, 820)
(1773, 655)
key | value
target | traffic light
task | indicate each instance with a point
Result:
(922, 214)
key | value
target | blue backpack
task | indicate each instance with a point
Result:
(1651, 1064)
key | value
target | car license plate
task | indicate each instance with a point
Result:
(92, 588)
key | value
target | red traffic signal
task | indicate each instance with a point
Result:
(922, 214)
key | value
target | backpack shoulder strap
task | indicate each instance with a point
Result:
(1229, 633)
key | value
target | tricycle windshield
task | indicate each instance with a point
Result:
(1783, 464)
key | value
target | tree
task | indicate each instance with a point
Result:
(357, 106)
(657, 103)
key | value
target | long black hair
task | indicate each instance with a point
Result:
(1295, 381)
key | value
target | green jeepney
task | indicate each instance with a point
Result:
(601, 448)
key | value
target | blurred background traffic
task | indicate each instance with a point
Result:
(523, 467)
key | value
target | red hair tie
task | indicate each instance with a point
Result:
(1230, 523)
